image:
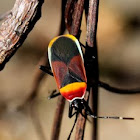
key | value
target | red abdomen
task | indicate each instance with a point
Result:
(74, 90)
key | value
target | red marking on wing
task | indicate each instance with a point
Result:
(69, 95)
(59, 70)
(76, 65)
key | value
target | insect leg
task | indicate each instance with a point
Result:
(46, 70)
(53, 94)
(73, 126)
(70, 115)
(82, 45)
(87, 108)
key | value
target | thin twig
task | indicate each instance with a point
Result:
(38, 76)
(62, 24)
(16, 27)
(86, 7)
(118, 90)
(69, 9)
(58, 118)
(73, 16)
(92, 23)
(80, 128)
(81, 123)
(92, 58)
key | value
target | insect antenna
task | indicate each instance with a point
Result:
(111, 117)
(73, 126)
(90, 113)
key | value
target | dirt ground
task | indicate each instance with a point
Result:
(119, 65)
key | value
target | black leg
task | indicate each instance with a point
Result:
(73, 126)
(82, 45)
(87, 108)
(46, 70)
(70, 115)
(54, 94)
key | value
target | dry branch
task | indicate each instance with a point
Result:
(92, 20)
(73, 16)
(58, 118)
(80, 128)
(92, 59)
(38, 76)
(17, 26)
(81, 123)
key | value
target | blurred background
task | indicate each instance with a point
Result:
(119, 64)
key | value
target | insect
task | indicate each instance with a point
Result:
(67, 64)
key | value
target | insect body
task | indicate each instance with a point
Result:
(66, 60)
(67, 64)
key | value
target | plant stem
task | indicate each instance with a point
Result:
(92, 59)
(58, 118)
